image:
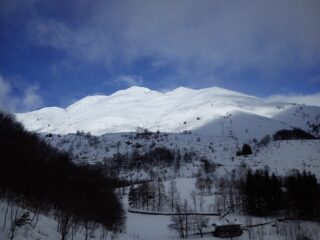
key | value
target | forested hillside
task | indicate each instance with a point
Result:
(40, 178)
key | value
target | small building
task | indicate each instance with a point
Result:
(228, 231)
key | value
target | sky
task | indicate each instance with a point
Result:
(55, 52)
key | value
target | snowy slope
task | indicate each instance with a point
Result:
(175, 111)
(279, 156)
(301, 116)
(242, 125)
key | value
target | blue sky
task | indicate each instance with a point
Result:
(55, 52)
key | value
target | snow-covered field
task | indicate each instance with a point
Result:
(43, 228)
(145, 227)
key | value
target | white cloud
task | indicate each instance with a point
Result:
(7, 102)
(5, 88)
(312, 99)
(31, 98)
(130, 80)
(10, 100)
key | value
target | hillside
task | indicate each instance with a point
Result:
(279, 156)
(29, 167)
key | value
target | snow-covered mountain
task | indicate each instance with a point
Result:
(201, 132)
(213, 111)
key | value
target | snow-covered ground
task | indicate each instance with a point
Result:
(145, 227)
(43, 228)
(283, 156)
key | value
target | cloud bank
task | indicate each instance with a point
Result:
(313, 99)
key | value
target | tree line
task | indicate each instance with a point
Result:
(41, 178)
(150, 196)
(295, 133)
(296, 195)
(146, 160)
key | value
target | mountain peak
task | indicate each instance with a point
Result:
(133, 90)
(181, 90)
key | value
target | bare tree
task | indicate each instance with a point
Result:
(200, 185)
(173, 194)
(74, 227)
(5, 215)
(186, 210)
(18, 219)
(161, 195)
(200, 223)
(90, 228)
(178, 222)
(64, 223)
(209, 184)
(104, 234)
(194, 200)
(181, 220)
(261, 232)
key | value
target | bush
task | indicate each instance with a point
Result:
(292, 134)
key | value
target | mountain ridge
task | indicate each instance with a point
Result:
(181, 109)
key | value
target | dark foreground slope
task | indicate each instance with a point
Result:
(36, 175)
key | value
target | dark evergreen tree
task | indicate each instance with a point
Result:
(132, 197)
(302, 194)
(246, 150)
(295, 133)
(297, 194)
